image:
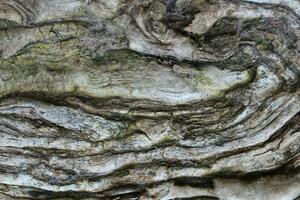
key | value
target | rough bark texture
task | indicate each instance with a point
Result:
(150, 99)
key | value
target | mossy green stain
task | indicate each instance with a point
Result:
(167, 139)
(60, 57)
(200, 78)
(119, 56)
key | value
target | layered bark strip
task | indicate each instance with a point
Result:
(149, 99)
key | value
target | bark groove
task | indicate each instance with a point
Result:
(149, 99)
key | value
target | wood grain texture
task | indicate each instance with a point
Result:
(149, 99)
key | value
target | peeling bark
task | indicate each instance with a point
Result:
(149, 99)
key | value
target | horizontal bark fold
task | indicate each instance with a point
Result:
(154, 99)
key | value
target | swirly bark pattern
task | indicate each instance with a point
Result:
(149, 99)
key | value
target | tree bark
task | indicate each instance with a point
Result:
(149, 99)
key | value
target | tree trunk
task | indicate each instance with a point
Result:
(149, 99)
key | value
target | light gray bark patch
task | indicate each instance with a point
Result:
(149, 99)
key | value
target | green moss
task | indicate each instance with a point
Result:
(42, 67)
(119, 56)
(167, 139)
(60, 56)
(201, 79)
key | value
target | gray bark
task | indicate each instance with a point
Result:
(149, 99)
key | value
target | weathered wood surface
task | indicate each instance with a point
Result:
(149, 99)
